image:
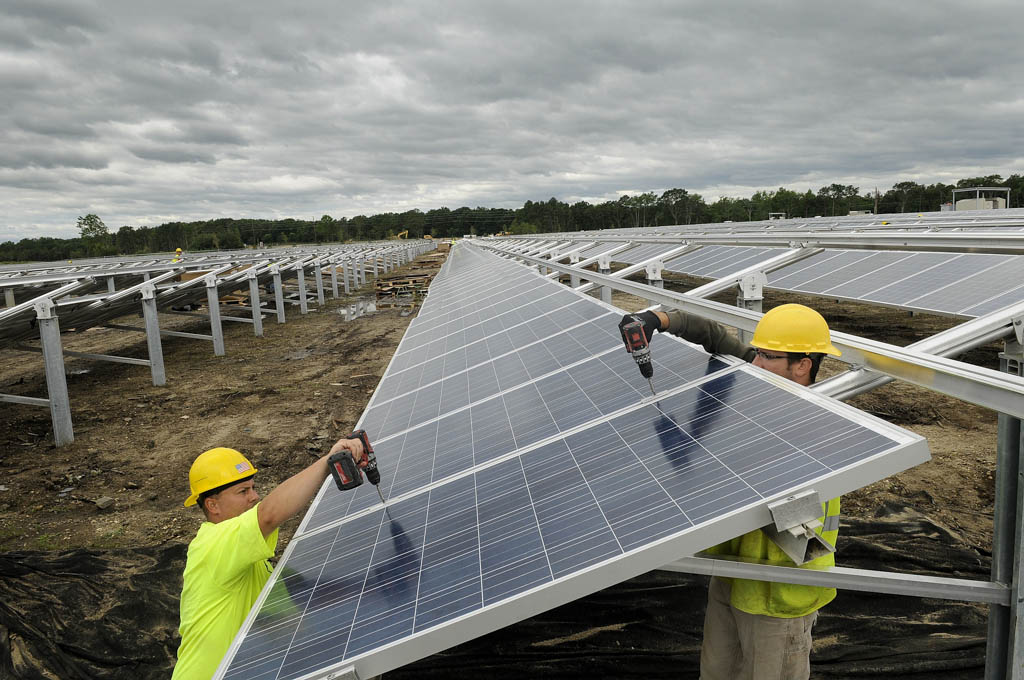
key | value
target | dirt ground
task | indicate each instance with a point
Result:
(291, 393)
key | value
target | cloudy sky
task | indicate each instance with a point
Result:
(144, 112)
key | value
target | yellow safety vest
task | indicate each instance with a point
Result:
(781, 600)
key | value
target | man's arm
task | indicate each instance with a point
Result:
(294, 493)
(712, 336)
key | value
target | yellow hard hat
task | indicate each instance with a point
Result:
(215, 468)
(793, 328)
(177, 250)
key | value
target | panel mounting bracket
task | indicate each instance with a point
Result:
(795, 521)
(346, 673)
(752, 285)
(1018, 328)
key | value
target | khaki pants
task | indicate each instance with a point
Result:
(742, 646)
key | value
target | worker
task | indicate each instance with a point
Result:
(761, 629)
(177, 255)
(227, 560)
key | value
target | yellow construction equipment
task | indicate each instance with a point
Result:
(401, 234)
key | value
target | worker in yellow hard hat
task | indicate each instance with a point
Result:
(227, 560)
(760, 629)
(177, 255)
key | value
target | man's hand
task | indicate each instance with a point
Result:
(650, 321)
(353, 446)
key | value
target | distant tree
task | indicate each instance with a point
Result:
(91, 227)
(96, 237)
(904, 192)
(838, 193)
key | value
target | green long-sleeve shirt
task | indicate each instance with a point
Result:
(709, 334)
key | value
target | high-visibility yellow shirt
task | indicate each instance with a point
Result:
(225, 571)
(781, 600)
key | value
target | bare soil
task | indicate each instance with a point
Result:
(292, 393)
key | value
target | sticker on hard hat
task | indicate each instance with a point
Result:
(243, 466)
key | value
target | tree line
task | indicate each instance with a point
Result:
(674, 206)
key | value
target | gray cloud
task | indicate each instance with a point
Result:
(145, 112)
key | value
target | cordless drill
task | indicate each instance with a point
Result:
(637, 345)
(346, 471)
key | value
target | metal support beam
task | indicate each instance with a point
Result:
(254, 303)
(344, 275)
(300, 274)
(949, 343)
(1004, 653)
(153, 344)
(319, 274)
(845, 578)
(56, 381)
(213, 301)
(278, 293)
(334, 281)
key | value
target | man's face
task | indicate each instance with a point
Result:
(778, 363)
(232, 501)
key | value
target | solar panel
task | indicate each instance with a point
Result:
(618, 497)
(568, 479)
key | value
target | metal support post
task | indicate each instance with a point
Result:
(319, 281)
(110, 284)
(278, 293)
(9, 297)
(56, 381)
(374, 265)
(254, 302)
(604, 266)
(300, 272)
(653, 270)
(360, 272)
(156, 350)
(750, 295)
(334, 280)
(344, 275)
(1004, 653)
(213, 301)
(574, 278)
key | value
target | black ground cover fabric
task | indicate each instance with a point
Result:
(90, 613)
(114, 614)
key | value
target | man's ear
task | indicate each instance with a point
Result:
(210, 505)
(803, 368)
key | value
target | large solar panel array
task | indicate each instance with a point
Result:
(526, 464)
(958, 284)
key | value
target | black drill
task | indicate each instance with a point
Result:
(346, 471)
(637, 345)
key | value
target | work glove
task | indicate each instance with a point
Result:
(648, 319)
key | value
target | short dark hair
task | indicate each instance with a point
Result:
(815, 357)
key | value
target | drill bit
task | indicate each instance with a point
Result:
(651, 383)
(377, 487)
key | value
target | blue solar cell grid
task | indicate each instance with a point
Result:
(499, 531)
